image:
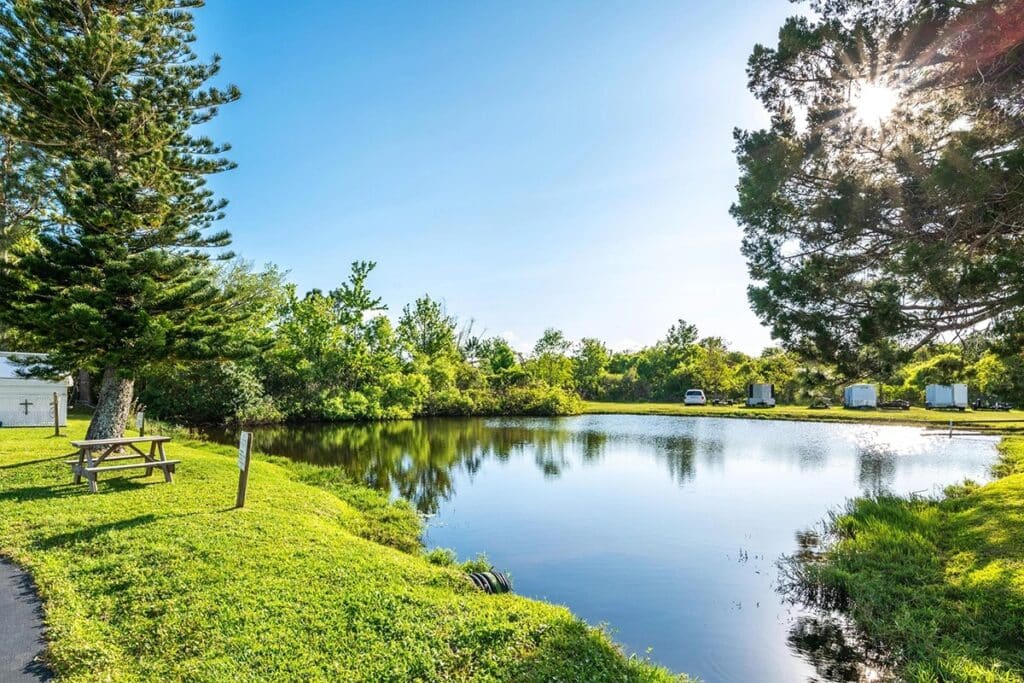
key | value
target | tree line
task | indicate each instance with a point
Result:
(341, 355)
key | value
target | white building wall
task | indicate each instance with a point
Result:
(28, 402)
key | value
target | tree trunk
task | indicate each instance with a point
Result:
(84, 388)
(112, 407)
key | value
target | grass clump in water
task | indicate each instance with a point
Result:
(937, 583)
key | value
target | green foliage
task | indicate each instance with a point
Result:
(120, 279)
(590, 361)
(710, 368)
(206, 392)
(334, 359)
(25, 193)
(338, 357)
(147, 581)
(426, 330)
(539, 400)
(891, 232)
(550, 362)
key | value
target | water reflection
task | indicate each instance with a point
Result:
(419, 459)
(636, 521)
(836, 651)
(821, 633)
(875, 471)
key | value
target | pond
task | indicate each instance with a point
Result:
(667, 529)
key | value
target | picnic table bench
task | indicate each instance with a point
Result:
(88, 464)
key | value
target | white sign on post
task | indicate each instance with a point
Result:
(243, 450)
(140, 419)
(244, 453)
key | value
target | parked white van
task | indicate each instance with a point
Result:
(695, 397)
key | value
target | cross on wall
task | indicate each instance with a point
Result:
(26, 403)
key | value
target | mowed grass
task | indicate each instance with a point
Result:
(938, 583)
(1004, 422)
(150, 581)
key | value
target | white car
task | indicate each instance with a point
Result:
(695, 397)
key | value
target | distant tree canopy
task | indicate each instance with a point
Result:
(884, 206)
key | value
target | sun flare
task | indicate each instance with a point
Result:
(873, 102)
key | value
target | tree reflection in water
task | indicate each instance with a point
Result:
(822, 634)
(419, 459)
(836, 651)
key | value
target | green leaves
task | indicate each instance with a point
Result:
(105, 96)
(903, 229)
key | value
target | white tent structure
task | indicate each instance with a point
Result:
(28, 401)
(860, 396)
(761, 395)
(946, 396)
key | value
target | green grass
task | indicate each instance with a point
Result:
(1004, 422)
(316, 579)
(939, 583)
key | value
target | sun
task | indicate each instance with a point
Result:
(873, 102)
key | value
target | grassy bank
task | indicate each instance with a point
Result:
(315, 579)
(1006, 422)
(940, 584)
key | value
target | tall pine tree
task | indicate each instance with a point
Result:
(111, 91)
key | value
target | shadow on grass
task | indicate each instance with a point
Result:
(111, 485)
(40, 461)
(570, 650)
(25, 494)
(88, 534)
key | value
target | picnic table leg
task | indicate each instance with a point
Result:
(151, 458)
(90, 476)
(77, 469)
(168, 476)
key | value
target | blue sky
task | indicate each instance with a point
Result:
(531, 164)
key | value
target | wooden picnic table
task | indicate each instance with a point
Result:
(87, 463)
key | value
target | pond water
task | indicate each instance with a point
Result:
(667, 529)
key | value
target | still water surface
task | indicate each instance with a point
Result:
(667, 529)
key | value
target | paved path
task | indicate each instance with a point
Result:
(21, 628)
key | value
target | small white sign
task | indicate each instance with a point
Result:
(140, 419)
(243, 449)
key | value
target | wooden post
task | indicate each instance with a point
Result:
(56, 415)
(244, 456)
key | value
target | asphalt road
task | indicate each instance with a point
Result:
(21, 628)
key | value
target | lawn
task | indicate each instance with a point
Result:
(939, 583)
(1004, 422)
(315, 579)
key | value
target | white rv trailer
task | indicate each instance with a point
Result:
(946, 396)
(860, 396)
(28, 401)
(761, 395)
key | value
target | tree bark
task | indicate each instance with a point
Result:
(84, 388)
(112, 407)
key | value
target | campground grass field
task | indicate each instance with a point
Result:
(1002, 422)
(314, 580)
